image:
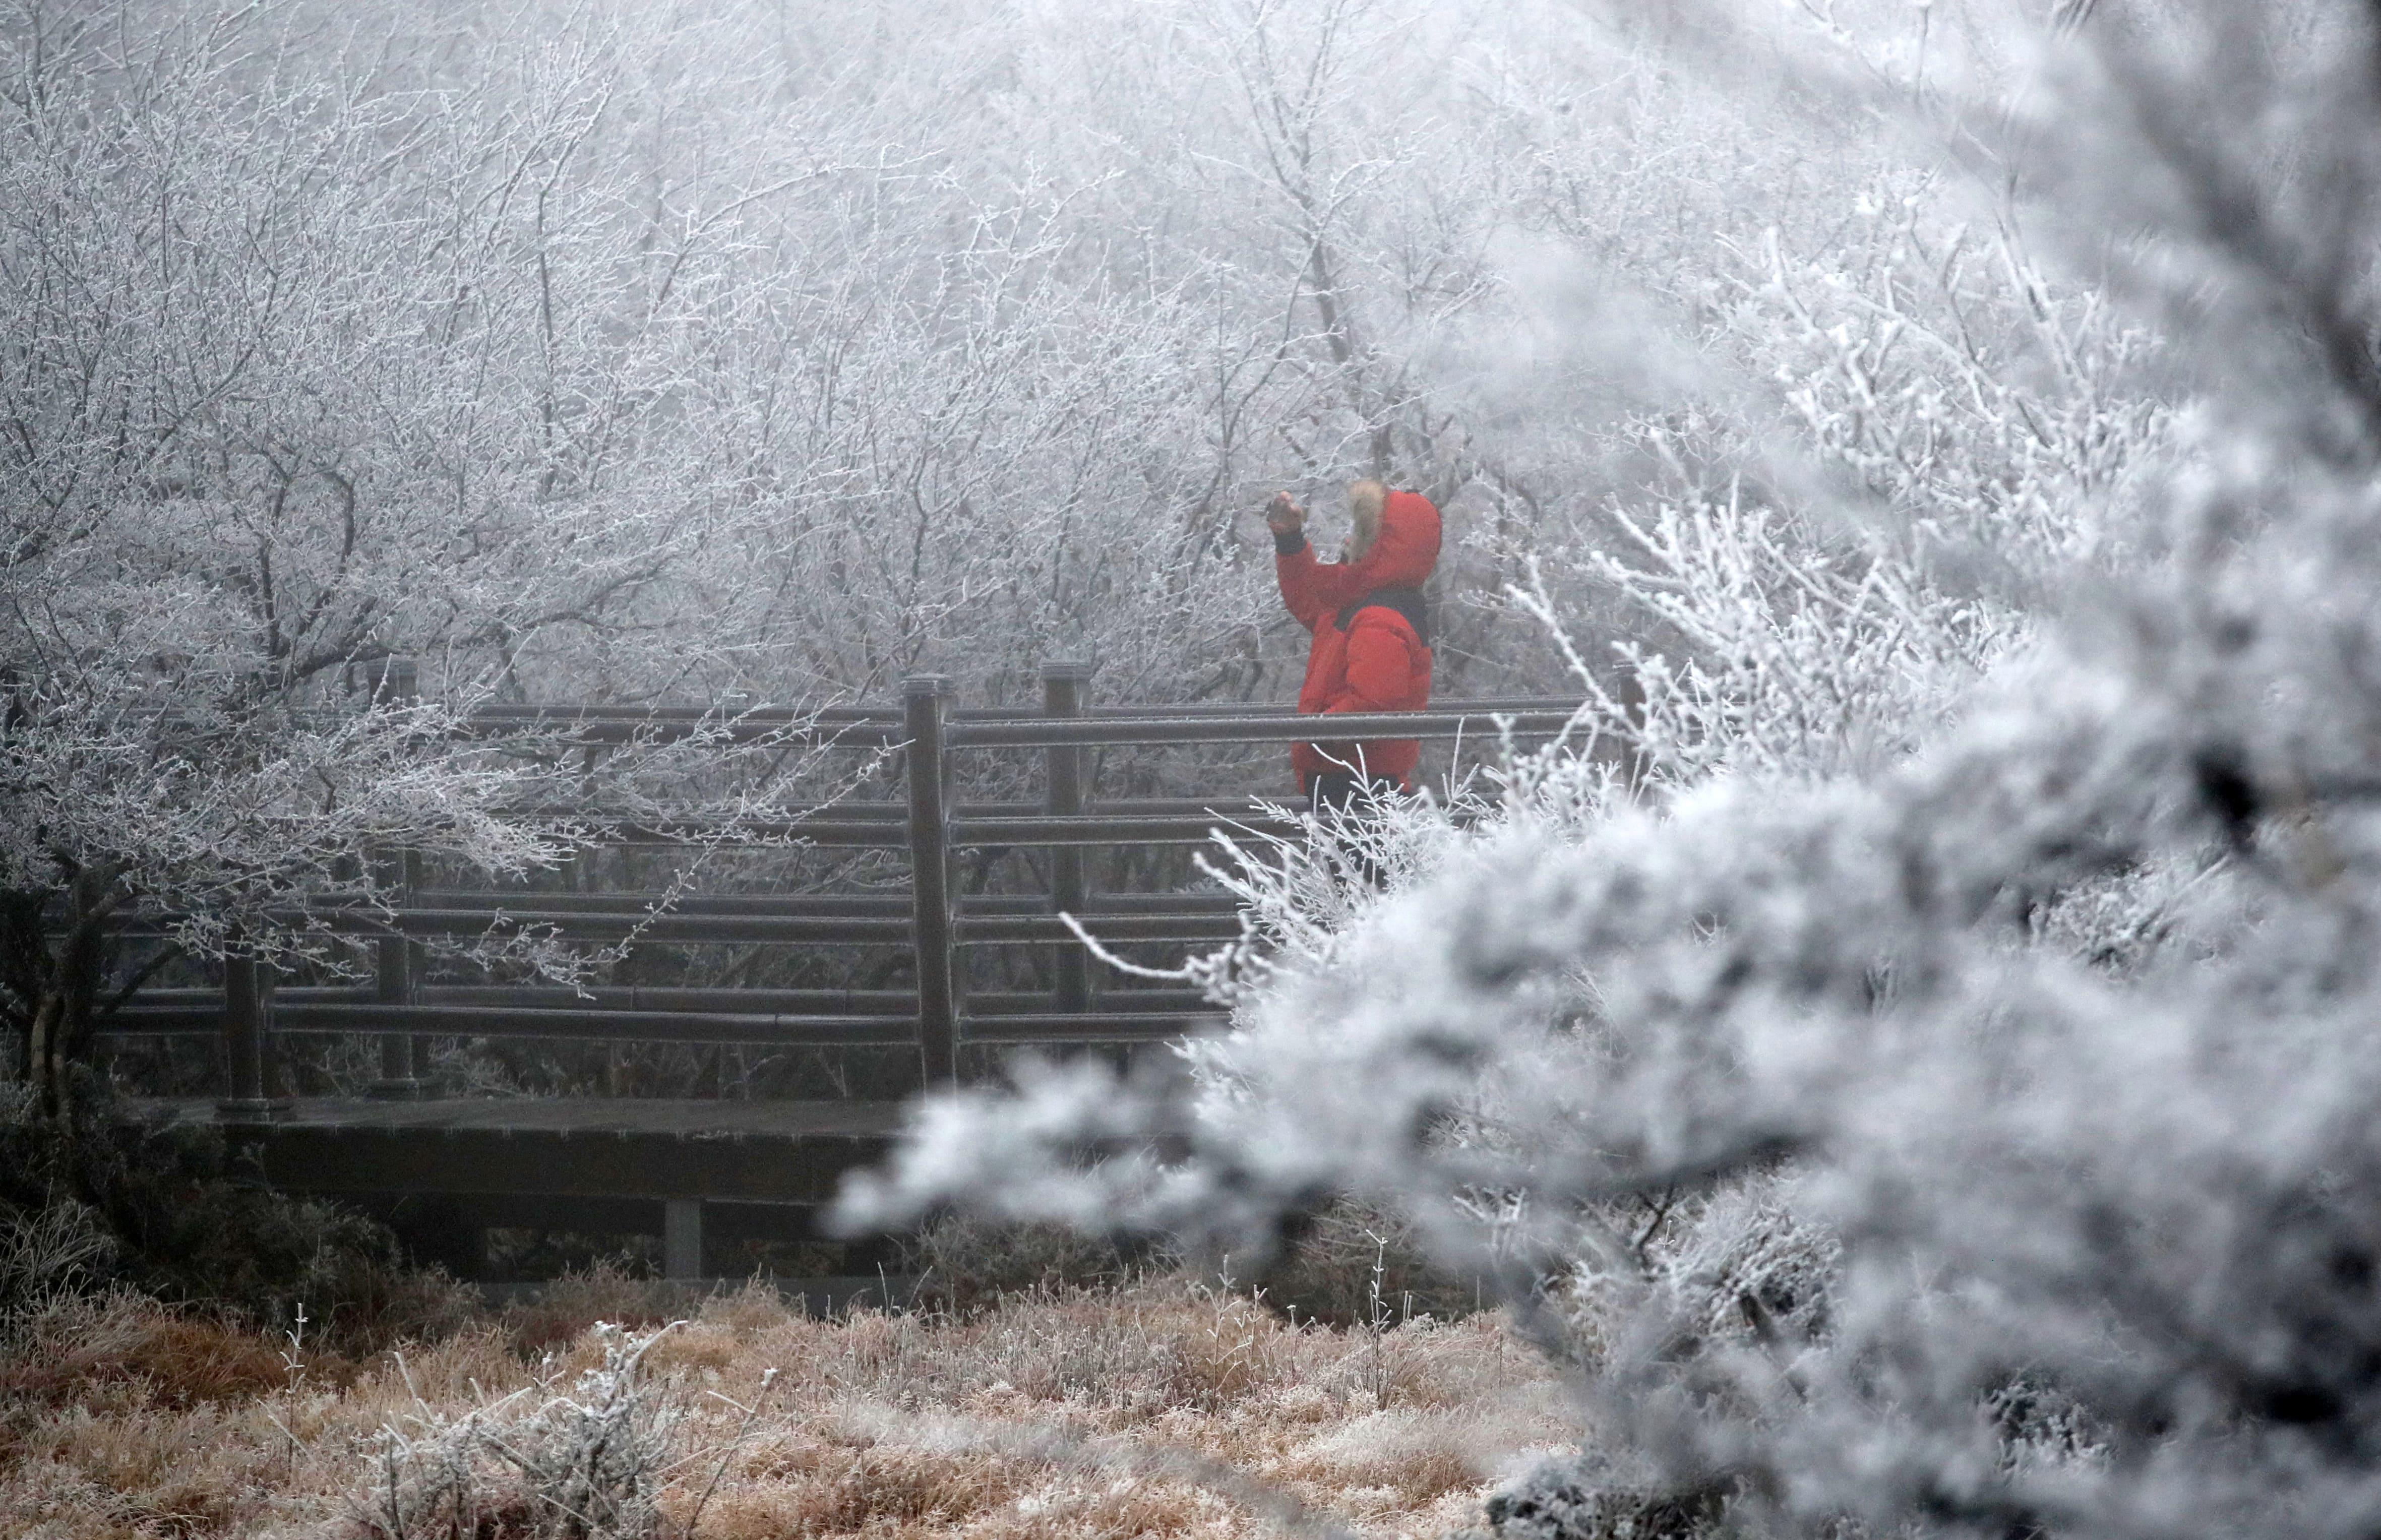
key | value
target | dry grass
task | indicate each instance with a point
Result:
(1080, 1414)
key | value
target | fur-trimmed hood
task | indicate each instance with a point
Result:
(1405, 551)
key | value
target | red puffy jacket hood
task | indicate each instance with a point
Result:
(1406, 550)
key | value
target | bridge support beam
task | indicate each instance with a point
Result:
(1062, 696)
(682, 1240)
(247, 1038)
(925, 698)
(395, 971)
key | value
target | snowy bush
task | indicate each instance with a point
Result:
(585, 1461)
(2032, 1035)
(282, 394)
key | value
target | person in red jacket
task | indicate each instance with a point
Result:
(1371, 635)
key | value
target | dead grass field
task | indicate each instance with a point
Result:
(1079, 1415)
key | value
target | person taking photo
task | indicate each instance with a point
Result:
(1369, 637)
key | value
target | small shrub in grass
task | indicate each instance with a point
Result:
(586, 1462)
(607, 1292)
(92, 1200)
(162, 1356)
(532, 1255)
(49, 1254)
(1361, 1264)
(963, 1262)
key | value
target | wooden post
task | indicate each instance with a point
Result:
(1062, 695)
(682, 1240)
(924, 698)
(246, 1024)
(393, 984)
(395, 965)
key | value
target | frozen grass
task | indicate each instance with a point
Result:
(1099, 1413)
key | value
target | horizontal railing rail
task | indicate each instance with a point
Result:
(807, 903)
(896, 815)
(1120, 726)
(177, 1011)
(753, 929)
(847, 829)
(864, 1030)
(934, 1014)
(1257, 727)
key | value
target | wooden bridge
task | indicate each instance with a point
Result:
(703, 1171)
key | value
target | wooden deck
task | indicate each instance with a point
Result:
(773, 1151)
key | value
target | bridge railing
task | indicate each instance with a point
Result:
(939, 1018)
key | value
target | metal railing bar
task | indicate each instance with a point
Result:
(1268, 728)
(1103, 905)
(760, 926)
(849, 905)
(510, 711)
(582, 733)
(1112, 1002)
(211, 996)
(1107, 1025)
(859, 930)
(1203, 709)
(799, 1002)
(788, 1002)
(179, 1011)
(873, 728)
(887, 835)
(640, 1026)
(867, 833)
(1021, 929)
(506, 713)
(869, 728)
(164, 1021)
(830, 834)
(1164, 807)
(1098, 1026)
(1094, 829)
(873, 905)
(766, 1002)
(889, 813)
(783, 930)
(869, 820)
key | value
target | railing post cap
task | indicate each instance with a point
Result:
(1078, 669)
(926, 684)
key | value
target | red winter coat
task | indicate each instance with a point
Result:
(1370, 648)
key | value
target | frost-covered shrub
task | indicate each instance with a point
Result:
(963, 1264)
(2019, 1069)
(1353, 1264)
(584, 1460)
(1570, 1499)
(99, 1202)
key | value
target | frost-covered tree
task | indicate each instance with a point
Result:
(1967, 1135)
(294, 379)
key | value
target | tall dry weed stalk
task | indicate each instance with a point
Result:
(47, 1255)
